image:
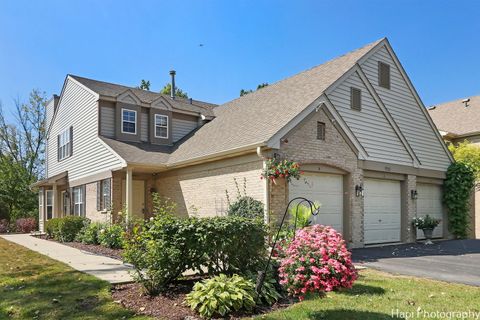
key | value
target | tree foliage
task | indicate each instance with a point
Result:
(22, 148)
(468, 154)
(167, 89)
(260, 86)
(144, 85)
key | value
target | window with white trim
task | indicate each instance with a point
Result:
(78, 201)
(49, 204)
(65, 203)
(161, 126)
(65, 144)
(129, 121)
(40, 203)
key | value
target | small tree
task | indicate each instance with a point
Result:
(468, 154)
(167, 89)
(144, 85)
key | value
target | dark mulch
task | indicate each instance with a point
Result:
(93, 248)
(171, 306)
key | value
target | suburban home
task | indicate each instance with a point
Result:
(458, 121)
(371, 154)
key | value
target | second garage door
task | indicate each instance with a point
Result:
(326, 189)
(430, 202)
(382, 208)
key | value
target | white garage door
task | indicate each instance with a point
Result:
(326, 189)
(429, 202)
(382, 207)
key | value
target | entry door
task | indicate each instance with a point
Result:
(382, 211)
(327, 189)
(138, 207)
(429, 202)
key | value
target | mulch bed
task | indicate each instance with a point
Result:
(171, 306)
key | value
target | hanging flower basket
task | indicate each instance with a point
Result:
(287, 169)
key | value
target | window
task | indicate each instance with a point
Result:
(103, 195)
(383, 75)
(40, 203)
(65, 144)
(129, 121)
(161, 126)
(49, 204)
(356, 99)
(78, 201)
(65, 203)
(320, 131)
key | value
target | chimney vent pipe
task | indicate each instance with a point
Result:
(172, 89)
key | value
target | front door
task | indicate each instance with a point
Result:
(138, 207)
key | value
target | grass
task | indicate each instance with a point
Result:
(29, 283)
(377, 295)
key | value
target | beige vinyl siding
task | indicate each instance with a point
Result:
(79, 108)
(182, 126)
(107, 120)
(144, 125)
(369, 125)
(406, 112)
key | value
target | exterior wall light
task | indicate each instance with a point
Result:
(414, 194)
(359, 190)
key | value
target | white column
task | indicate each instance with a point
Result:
(129, 193)
(55, 213)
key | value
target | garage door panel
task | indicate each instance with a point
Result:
(327, 189)
(382, 211)
(429, 202)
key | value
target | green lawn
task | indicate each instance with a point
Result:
(376, 294)
(29, 283)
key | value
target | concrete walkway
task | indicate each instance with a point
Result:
(104, 268)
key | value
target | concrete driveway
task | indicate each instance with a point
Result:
(451, 260)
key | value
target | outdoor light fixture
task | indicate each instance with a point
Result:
(414, 194)
(359, 190)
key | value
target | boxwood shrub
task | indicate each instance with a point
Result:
(65, 229)
(164, 247)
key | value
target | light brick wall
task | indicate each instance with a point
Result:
(200, 190)
(91, 205)
(409, 206)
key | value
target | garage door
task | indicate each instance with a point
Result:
(382, 207)
(326, 189)
(429, 202)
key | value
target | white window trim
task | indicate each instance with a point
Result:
(134, 122)
(47, 193)
(64, 149)
(80, 204)
(155, 133)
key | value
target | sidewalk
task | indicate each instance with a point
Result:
(104, 268)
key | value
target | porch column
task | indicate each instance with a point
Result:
(55, 213)
(129, 193)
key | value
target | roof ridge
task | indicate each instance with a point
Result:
(444, 104)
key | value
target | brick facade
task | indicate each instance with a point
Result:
(91, 205)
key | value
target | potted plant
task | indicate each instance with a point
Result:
(427, 224)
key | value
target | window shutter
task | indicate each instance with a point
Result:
(72, 203)
(320, 131)
(108, 192)
(84, 200)
(58, 148)
(356, 99)
(383, 75)
(71, 140)
(99, 196)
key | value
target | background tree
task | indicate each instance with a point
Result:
(468, 154)
(22, 151)
(144, 85)
(167, 89)
(260, 86)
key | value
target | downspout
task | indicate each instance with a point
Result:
(266, 193)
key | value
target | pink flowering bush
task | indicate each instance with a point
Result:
(316, 261)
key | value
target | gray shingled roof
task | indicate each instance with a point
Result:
(454, 117)
(251, 119)
(113, 90)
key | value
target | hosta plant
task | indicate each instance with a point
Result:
(287, 169)
(317, 260)
(222, 295)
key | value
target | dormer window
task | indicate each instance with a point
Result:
(161, 126)
(129, 121)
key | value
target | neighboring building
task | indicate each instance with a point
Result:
(356, 125)
(458, 121)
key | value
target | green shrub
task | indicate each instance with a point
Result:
(458, 186)
(111, 236)
(89, 233)
(246, 207)
(222, 295)
(164, 247)
(65, 229)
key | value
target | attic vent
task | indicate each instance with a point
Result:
(356, 99)
(383, 75)
(320, 131)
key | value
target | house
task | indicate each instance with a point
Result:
(458, 121)
(370, 152)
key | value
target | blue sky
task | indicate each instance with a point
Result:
(244, 43)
